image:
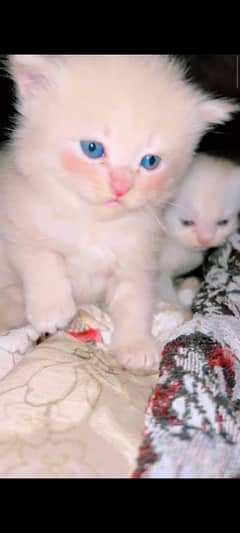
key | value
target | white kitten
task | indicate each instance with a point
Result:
(203, 214)
(101, 143)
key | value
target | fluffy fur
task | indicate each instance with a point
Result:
(67, 237)
(203, 214)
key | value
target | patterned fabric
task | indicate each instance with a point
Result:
(192, 421)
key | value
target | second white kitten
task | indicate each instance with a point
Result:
(203, 215)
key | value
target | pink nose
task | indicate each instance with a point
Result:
(204, 238)
(121, 180)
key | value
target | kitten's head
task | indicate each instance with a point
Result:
(205, 210)
(116, 131)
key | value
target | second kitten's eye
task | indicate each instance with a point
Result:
(92, 149)
(187, 222)
(150, 162)
(223, 222)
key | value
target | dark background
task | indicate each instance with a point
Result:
(218, 75)
(215, 73)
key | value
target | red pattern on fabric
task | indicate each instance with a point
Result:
(174, 421)
(219, 419)
(222, 357)
(90, 335)
(167, 362)
(149, 457)
(172, 346)
(163, 397)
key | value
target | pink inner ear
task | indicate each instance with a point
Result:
(27, 80)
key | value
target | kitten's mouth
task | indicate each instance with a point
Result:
(202, 248)
(196, 247)
(113, 201)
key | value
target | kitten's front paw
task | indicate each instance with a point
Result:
(188, 290)
(48, 316)
(141, 353)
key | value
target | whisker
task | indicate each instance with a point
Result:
(160, 222)
(171, 204)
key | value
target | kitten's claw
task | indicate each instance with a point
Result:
(141, 353)
(18, 340)
(48, 317)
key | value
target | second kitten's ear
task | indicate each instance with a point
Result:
(31, 72)
(218, 110)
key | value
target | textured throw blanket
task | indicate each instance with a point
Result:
(192, 420)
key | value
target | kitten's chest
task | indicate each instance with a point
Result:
(89, 267)
(80, 241)
(91, 257)
(178, 260)
(96, 252)
(95, 247)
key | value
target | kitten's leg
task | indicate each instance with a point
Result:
(12, 311)
(131, 307)
(167, 290)
(169, 294)
(187, 291)
(47, 291)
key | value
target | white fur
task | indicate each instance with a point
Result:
(62, 244)
(209, 193)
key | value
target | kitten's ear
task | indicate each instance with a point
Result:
(31, 72)
(218, 110)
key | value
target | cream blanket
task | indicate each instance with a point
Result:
(66, 408)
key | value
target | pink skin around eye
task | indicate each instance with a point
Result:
(119, 178)
(153, 182)
(75, 164)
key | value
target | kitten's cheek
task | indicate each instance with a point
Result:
(87, 173)
(72, 163)
(156, 182)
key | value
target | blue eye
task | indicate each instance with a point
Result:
(92, 149)
(150, 162)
